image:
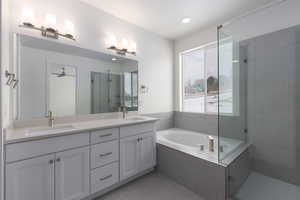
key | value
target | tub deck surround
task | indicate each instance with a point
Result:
(189, 142)
(15, 135)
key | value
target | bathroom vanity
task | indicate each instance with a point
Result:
(82, 162)
(67, 140)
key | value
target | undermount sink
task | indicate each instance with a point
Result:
(135, 119)
(48, 130)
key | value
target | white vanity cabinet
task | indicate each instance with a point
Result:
(78, 166)
(72, 174)
(138, 153)
(60, 175)
(31, 179)
(147, 151)
(129, 156)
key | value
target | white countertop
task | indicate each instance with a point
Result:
(21, 134)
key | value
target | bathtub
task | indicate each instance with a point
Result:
(180, 157)
(197, 144)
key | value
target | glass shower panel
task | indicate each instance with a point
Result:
(232, 92)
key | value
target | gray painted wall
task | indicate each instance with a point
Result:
(274, 103)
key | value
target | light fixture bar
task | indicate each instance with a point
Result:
(47, 32)
(122, 52)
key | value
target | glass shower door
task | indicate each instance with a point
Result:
(232, 112)
(232, 95)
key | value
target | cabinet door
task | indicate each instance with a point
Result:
(72, 174)
(31, 179)
(147, 151)
(129, 157)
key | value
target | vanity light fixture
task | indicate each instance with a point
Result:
(123, 48)
(49, 30)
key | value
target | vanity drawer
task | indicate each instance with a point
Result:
(127, 131)
(24, 150)
(104, 177)
(104, 153)
(104, 135)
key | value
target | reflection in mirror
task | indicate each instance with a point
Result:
(62, 90)
(69, 80)
(106, 92)
(131, 90)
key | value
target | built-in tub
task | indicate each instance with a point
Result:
(190, 142)
(180, 157)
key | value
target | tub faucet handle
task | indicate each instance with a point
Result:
(211, 143)
(201, 147)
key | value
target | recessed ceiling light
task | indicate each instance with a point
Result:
(114, 59)
(186, 20)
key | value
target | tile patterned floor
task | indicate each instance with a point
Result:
(154, 186)
(260, 187)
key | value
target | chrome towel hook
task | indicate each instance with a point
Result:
(11, 81)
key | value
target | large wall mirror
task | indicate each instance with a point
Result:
(69, 80)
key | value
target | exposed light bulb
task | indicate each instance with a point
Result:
(50, 21)
(124, 44)
(69, 27)
(112, 41)
(28, 16)
(186, 20)
(132, 47)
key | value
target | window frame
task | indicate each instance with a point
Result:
(235, 109)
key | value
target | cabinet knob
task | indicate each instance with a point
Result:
(51, 161)
(57, 159)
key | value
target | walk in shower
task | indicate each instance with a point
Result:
(264, 94)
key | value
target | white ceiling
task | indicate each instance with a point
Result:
(164, 16)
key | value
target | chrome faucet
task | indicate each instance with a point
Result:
(50, 119)
(124, 111)
(211, 143)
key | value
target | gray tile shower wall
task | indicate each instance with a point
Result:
(196, 122)
(273, 103)
(166, 120)
(230, 126)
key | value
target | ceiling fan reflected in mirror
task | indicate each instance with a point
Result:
(62, 74)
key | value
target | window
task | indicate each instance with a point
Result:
(200, 79)
(131, 90)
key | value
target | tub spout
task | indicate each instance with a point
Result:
(211, 144)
